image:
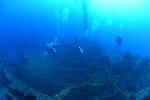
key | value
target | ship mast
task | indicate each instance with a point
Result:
(85, 15)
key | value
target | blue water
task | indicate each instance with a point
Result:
(27, 27)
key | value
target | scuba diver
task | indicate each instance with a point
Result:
(78, 46)
(80, 49)
(118, 41)
(51, 47)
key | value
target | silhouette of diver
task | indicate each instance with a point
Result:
(118, 41)
(51, 47)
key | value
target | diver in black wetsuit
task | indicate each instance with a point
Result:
(118, 41)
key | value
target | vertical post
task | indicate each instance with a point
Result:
(58, 20)
(85, 15)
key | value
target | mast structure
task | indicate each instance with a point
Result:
(85, 15)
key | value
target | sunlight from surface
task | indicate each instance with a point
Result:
(120, 8)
